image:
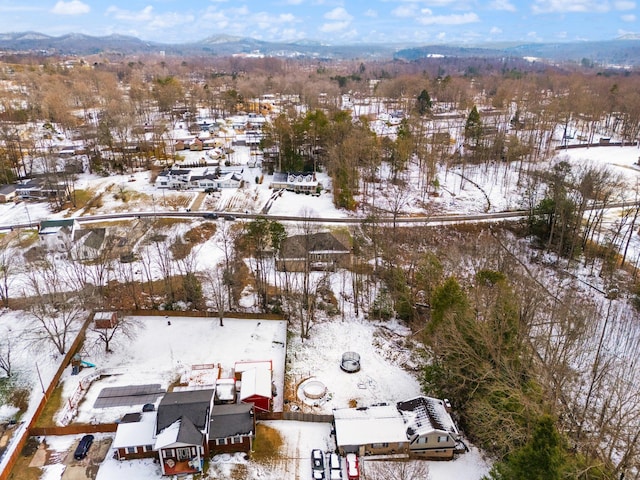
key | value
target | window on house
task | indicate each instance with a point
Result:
(148, 448)
(131, 449)
(379, 445)
(442, 438)
(423, 440)
(169, 453)
(236, 439)
(184, 453)
(221, 441)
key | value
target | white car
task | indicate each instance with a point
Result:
(335, 467)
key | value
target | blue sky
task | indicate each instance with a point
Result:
(330, 21)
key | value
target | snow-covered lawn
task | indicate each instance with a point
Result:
(161, 353)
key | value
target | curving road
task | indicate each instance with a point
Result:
(388, 220)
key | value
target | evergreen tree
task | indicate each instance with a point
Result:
(541, 458)
(473, 127)
(424, 103)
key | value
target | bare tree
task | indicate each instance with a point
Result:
(398, 470)
(9, 266)
(5, 351)
(55, 311)
(219, 291)
(126, 327)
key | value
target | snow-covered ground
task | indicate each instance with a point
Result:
(160, 353)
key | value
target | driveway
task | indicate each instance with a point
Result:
(87, 468)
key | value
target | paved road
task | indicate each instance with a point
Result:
(388, 220)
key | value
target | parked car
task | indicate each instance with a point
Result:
(211, 216)
(317, 464)
(353, 469)
(83, 447)
(231, 218)
(335, 467)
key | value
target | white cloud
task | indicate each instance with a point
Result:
(495, 31)
(339, 14)
(144, 15)
(570, 6)
(334, 27)
(293, 2)
(74, 7)
(624, 5)
(371, 13)
(427, 18)
(148, 19)
(628, 18)
(434, 3)
(341, 20)
(505, 5)
(404, 11)
(441, 36)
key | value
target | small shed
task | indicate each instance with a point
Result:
(256, 388)
(104, 320)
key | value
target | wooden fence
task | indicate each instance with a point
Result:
(74, 429)
(31, 430)
(206, 314)
(17, 449)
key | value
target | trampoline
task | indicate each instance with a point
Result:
(350, 362)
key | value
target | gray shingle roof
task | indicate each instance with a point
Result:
(193, 404)
(231, 420)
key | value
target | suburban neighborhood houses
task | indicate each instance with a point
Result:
(257, 267)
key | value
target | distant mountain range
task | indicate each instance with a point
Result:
(623, 51)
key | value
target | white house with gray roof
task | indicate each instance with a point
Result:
(420, 427)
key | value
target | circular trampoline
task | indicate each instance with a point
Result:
(350, 362)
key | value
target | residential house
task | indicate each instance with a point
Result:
(375, 430)
(88, 242)
(178, 178)
(57, 235)
(196, 145)
(135, 436)
(29, 188)
(182, 430)
(431, 431)
(7, 193)
(232, 428)
(41, 188)
(324, 251)
(420, 427)
(296, 182)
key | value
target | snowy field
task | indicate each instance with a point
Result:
(162, 353)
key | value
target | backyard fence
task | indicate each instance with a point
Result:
(15, 451)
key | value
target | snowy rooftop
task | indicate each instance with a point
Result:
(366, 425)
(136, 433)
(425, 414)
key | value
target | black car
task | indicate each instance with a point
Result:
(211, 216)
(230, 218)
(83, 447)
(317, 464)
